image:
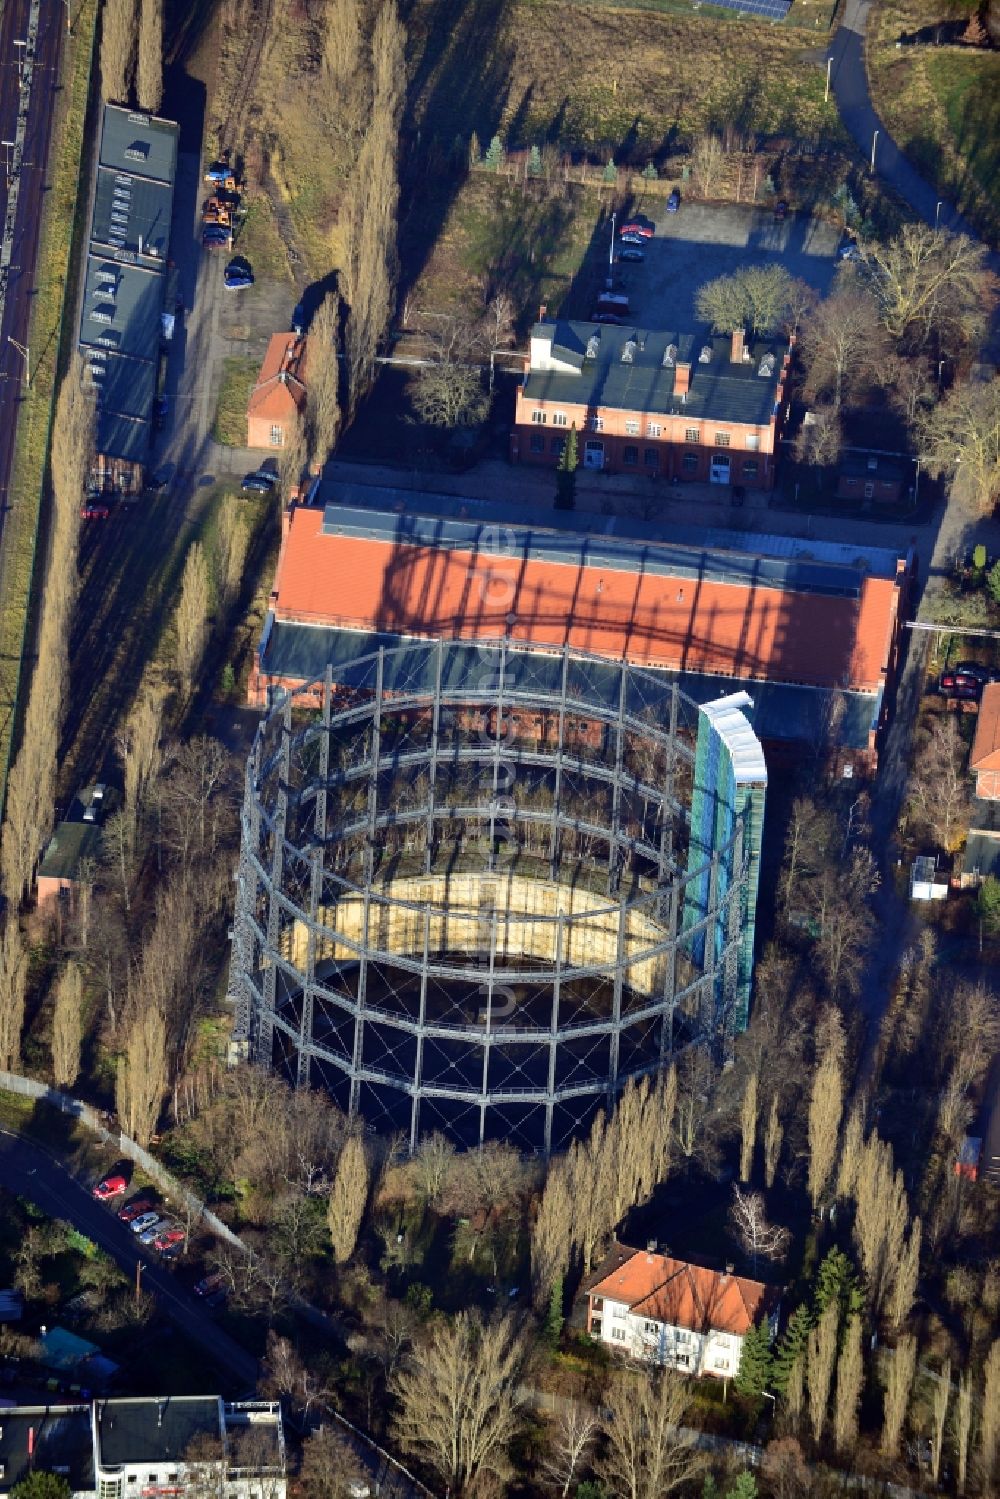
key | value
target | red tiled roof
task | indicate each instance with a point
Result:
(985, 753)
(280, 390)
(682, 623)
(684, 1295)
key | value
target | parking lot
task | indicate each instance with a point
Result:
(702, 241)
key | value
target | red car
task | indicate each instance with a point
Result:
(645, 230)
(94, 512)
(111, 1186)
(168, 1239)
(134, 1209)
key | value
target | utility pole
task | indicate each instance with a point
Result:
(139, 1268)
(829, 65)
(25, 353)
(874, 144)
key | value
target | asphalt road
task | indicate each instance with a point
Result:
(27, 225)
(29, 1171)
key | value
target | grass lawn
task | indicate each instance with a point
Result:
(942, 104)
(258, 239)
(238, 377)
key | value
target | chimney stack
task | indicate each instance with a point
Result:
(682, 378)
(736, 352)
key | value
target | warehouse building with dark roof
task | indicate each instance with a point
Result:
(125, 286)
(810, 630)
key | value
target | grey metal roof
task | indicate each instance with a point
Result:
(664, 557)
(779, 711)
(132, 214)
(154, 1430)
(124, 385)
(125, 437)
(878, 562)
(61, 1441)
(70, 844)
(719, 390)
(139, 144)
(982, 855)
(122, 314)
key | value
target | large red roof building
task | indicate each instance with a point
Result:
(761, 612)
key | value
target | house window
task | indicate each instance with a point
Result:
(618, 1333)
(277, 436)
(651, 1326)
(721, 1363)
(631, 427)
(651, 458)
(537, 442)
(722, 439)
(753, 441)
(558, 418)
(654, 429)
(690, 463)
(750, 468)
(597, 1302)
(557, 446)
(692, 435)
(869, 491)
(630, 455)
(596, 424)
(620, 1312)
(539, 418)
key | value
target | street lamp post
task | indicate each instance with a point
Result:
(941, 365)
(937, 214)
(829, 65)
(25, 352)
(874, 144)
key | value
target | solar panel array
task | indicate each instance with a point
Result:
(771, 10)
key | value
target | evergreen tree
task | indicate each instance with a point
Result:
(791, 1347)
(554, 1315)
(611, 171)
(534, 162)
(745, 1487)
(649, 172)
(566, 472)
(495, 154)
(756, 1362)
(836, 1279)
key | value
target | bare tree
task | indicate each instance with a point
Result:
(67, 1026)
(748, 1127)
(850, 1380)
(880, 1218)
(931, 282)
(786, 1471)
(842, 343)
(960, 438)
(323, 405)
(142, 1079)
(139, 748)
(706, 163)
(754, 297)
(432, 1165)
(909, 386)
(822, 1352)
(901, 1364)
(648, 1450)
(348, 1196)
(851, 1151)
(905, 1276)
(552, 1233)
(567, 1447)
(331, 1469)
(118, 31)
(820, 438)
(939, 1411)
(288, 1377)
(825, 1108)
(13, 979)
(773, 1136)
(231, 548)
(758, 1237)
(458, 1400)
(149, 79)
(989, 1432)
(449, 395)
(795, 1391)
(962, 1428)
(939, 791)
(191, 619)
(292, 460)
(342, 46)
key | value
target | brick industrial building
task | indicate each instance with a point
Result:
(675, 406)
(809, 630)
(278, 399)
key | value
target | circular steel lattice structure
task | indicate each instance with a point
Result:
(466, 894)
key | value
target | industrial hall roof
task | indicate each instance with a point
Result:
(635, 369)
(679, 607)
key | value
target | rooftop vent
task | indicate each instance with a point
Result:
(669, 356)
(121, 178)
(628, 351)
(137, 151)
(593, 346)
(101, 315)
(872, 464)
(705, 357)
(766, 366)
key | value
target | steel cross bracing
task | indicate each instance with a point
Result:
(382, 785)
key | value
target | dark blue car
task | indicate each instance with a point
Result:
(674, 201)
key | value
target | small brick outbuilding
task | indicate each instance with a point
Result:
(278, 399)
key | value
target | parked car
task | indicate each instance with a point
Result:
(210, 1284)
(674, 201)
(159, 413)
(973, 669)
(637, 226)
(149, 1234)
(608, 317)
(143, 1222)
(110, 1186)
(168, 1238)
(238, 277)
(781, 209)
(94, 510)
(133, 1209)
(216, 234)
(962, 684)
(258, 483)
(634, 256)
(850, 252)
(633, 239)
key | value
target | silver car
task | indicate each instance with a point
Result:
(145, 1220)
(154, 1230)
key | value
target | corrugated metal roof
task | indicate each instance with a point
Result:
(733, 727)
(139, 144)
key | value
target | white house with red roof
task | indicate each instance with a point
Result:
(665, 1311)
